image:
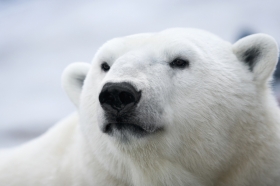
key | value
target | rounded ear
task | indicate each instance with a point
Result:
(260, 53)
(73, 79)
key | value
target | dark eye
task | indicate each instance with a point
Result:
(105, 67)
(179, 63)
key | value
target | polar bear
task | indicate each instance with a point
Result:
(180, 107)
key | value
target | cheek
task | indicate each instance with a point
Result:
(100, 116)
(157, 105)
(89, 106)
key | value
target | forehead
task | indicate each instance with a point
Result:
(167, 40)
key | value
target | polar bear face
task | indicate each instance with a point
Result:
(179, 88)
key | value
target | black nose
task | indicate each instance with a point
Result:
(119, 97)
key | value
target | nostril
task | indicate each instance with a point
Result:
(104, 97)
(126, 98)
(109, 97)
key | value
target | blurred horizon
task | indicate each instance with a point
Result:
(38, 39)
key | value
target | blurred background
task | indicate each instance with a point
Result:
(38, 39)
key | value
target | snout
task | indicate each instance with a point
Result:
(119, 97)
(118, 100)
(122, 117)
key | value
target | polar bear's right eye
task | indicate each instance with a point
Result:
(179, 63)
(105, 67)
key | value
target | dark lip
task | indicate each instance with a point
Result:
(123, 126)
(136, 129)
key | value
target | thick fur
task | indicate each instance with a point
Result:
(219, 117)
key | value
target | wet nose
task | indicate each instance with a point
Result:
(119, 97)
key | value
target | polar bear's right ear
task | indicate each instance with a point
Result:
(73, 79)
(260, 53)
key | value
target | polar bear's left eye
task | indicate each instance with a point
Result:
(179, 63)
(105, 67)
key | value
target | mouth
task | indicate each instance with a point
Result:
(134, 129)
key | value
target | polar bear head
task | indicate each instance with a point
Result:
(179, 88)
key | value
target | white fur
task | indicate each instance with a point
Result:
(220, 120)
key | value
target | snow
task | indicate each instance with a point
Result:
(38, 39)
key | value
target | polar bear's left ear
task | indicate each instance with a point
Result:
(260, 53)
(73, 79)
